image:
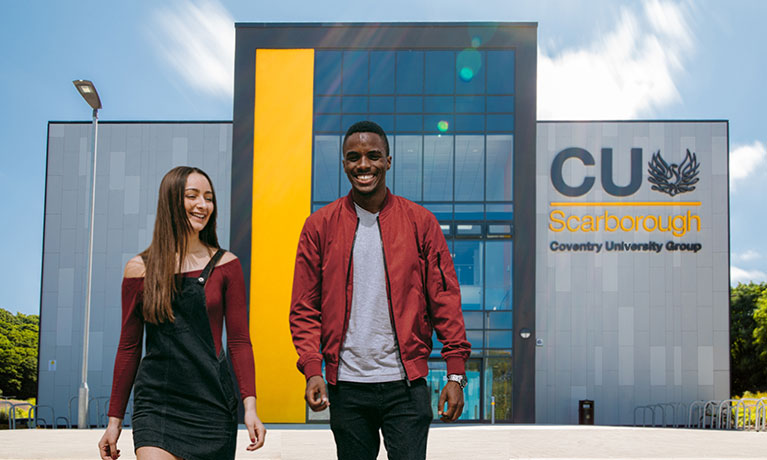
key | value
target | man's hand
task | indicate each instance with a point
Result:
(453, 395)
(317, 395)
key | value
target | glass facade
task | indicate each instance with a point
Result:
(449, 115)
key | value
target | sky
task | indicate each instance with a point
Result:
(174, 60)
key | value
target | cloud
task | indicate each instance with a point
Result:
(628, 72)
(747, 256)
(739, 275)
(197, 39)
(744, 160)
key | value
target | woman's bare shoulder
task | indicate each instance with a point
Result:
(226, 258)
(135, 268)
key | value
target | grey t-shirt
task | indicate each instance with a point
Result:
(369, 352)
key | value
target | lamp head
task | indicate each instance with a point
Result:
(88, 92)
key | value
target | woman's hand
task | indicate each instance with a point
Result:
(108, 443)
(256, 429)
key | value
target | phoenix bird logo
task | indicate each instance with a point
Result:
(675, 178)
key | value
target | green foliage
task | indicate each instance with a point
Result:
(760, 329)
(499, 369)
(22, 412)
(18, 354)
(748, 369)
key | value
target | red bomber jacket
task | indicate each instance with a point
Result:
(422, 287)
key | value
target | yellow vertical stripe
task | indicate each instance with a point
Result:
(282, 163)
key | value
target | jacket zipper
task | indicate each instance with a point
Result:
(388, 298)
(347, 308)
(439, 265)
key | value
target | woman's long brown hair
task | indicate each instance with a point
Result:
(165, 255)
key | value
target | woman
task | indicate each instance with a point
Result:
(181, 289)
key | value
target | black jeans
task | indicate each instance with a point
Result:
(359, 410)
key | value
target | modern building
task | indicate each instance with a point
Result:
(524, 207)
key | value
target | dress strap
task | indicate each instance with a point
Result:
(209, 268)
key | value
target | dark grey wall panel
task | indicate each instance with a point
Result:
(132, 159)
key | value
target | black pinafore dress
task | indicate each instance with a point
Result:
(184, 398)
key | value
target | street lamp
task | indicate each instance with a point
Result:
(91, 96)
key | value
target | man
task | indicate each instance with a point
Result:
(373, 277)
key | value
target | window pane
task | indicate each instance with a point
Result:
(439, 78)
(497, 104)
(327, 167)
(409, 123)
(475, 339)
(438, 168)
(468, 229)
(498, 377)
(355, 72)
(470, 104)
(409, 72)
(443, 212)
(473, 319)
(327, 123)
(381, 72)
(327, 72)
(327, 104)
(409, 104)
(472, 400)
(469, 72)
(438, 104)
(499, 229)
(500, 123)
(407, 166)
(499, 339)
(500, 72)
(468, 268)
(498, 275)
(469, 168)
(500, 211)
(499, 320)
(469, 212)
(499, 167)
(382, 104)
(355, 104)
(470, 123)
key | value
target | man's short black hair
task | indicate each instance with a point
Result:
(367, 126)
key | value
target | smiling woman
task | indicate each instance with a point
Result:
(180, 290)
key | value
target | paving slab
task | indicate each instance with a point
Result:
(485, 442)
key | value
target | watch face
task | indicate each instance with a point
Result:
(459, 379)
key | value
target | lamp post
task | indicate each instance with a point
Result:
(91, 96)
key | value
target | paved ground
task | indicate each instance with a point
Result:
(315, 442)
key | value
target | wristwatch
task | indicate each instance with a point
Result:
(460, 379)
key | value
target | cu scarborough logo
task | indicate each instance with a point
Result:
(673, 178)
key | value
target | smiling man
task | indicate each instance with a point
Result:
(373, 279)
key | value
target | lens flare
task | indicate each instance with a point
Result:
(442, 126)
(466, 74)
(467, 63)
(475, 42)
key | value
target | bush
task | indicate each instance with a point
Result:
(749, 367)
(18, 354)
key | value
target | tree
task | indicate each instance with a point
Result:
(748, 371)
(18, 354)
(760, 329)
